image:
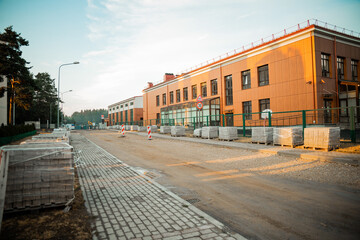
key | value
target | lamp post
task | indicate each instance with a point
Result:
(58, 115)
(62, 105)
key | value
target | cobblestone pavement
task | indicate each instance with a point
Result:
(128, 205)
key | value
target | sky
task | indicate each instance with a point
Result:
(123, 44)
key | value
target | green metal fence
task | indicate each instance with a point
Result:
(6, 140)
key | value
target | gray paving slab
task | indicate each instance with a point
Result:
(128, 205)
(284, 151)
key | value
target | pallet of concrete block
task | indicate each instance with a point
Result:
(288, 136)
(177, 131)
(42, 141)
(210, 132)
(142, 128)
(127, 128)
(154, 128)
(262, 135)
(197, 132)
(134, 127)
(228, 133)
(58, 136)
(39, 176)
(165, 129)
(324, 138)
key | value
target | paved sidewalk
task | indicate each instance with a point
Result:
(285, 151)
(128, 205)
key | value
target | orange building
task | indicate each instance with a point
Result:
(313, 67)
(129, 111)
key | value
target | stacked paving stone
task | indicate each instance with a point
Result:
(177, 131)
(197, 132)
(39, 175)
(154, 128)
(228, 133)
(134, 127)
(127, 128)
(262, 135)
(210, 132)
(288, 136)
(321, 137)
(165, 129)
(142, 129)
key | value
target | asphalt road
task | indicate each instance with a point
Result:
(258, 195)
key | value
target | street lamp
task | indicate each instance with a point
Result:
(58, 116)
(62, 105)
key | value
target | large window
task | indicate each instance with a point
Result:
(185, 94)
(354, 69)
(121, 117)
(228, 90)
(157, 100)
(194, 93)
(264, 104)
(214, 88)
(246, 82)
(263, 73)
(178, 95)
(164, 99)
(171, 97)
(247, 109)
(203, 89)
(131, 115)
(341, 68)
(325, 65)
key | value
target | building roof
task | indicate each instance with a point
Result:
(124, 101)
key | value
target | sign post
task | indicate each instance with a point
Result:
(199, 106)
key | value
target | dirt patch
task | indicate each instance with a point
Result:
(52, 223)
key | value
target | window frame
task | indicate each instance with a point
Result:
(325, 64)
(247, 108)
(185, 94)
(340, 63)
(203, 89)
(194, 91)
(157, 100)
(262, 72)
(354, 66)
(171, 96)
(264, 102)
(228, 90)
(164, 98)
(178, 96)
(245, 74)
(214, 87)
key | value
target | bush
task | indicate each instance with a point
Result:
(8, 131)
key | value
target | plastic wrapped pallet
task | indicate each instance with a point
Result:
(142, 129)
(154, 128)
(197, 132)
(177, 131)
(322, 137)
(228, 133)
(39, 175)
(165, 129)
(127, 128)
(262, 134)
(210, 132)
(134, 127)
(288, 136)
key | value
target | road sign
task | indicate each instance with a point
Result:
(265, 113)
(102, 116)
(199, 98)
(199, 105)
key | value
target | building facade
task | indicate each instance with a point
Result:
(311, 68)
(129, 111)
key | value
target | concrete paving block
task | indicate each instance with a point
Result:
(134, 127)
(322, 137)
(177, 131)
(197, 132)
(228, 133)
(262, 134)
(142, 129)
(288, 136)
(165, 129)
(210, 132)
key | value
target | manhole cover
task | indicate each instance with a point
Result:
(193, 200)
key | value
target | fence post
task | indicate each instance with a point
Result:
(269, 113)
(243, 117)
(223, 118)
(207, 120)
(303, 121)
(352, 125)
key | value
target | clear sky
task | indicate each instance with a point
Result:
(123, 44)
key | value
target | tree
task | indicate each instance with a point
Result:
(13, 67)
(84, 116)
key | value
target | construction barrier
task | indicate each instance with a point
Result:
(149, 132)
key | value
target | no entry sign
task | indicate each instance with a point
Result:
(199, 105)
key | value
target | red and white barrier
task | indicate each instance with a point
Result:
(123, 130)
(149, 132)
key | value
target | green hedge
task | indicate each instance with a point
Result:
(6, 140)
(8, 131)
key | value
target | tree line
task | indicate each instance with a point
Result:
(85, 116)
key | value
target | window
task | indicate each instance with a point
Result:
(263, 73)
(214, 89)
(126, 105)
(203, 89)
(194, 94)
(131, 115)
(164, 99)
(246, 82)
(354, 69)
(247, 109)
(340, 68)
(132, 103)
(121, 106)
(117, 107)
(264, 104)
(185, 94)
(121, 117)
(325, 66)
(113, 109)
(157, 100)
(228, 90)
(178, 95)
(171, 97)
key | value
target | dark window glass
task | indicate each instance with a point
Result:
(178, 95)
(341, 68)
(325, 65)
(203, 89)
(263, 73)
(228, 90)
(132, 103)
(131, 115)
(171, 97)
(157, 100)
(354, 70)
(121, 117)
(194, 93)
(247, 109)
(164, 98)
(246, 82)
(185, 94)
(264, 104)
(214, 90)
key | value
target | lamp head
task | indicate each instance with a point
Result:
(76, 62)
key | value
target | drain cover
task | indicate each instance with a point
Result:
(193, 200)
